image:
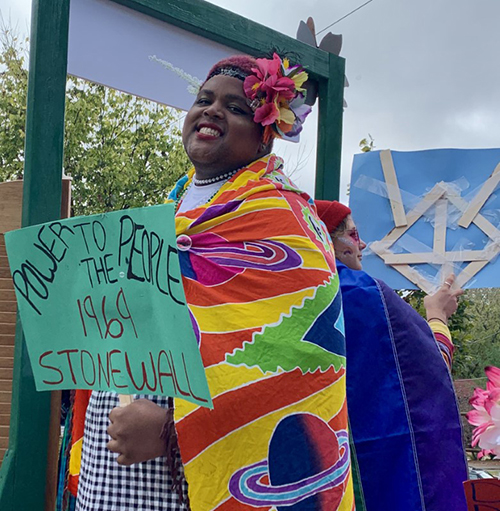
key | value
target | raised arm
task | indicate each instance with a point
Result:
(439, 307)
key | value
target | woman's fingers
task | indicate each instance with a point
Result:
(113, 446)
(449, 281)
(123, 460)
(448, 284)
(114, 414)
(451, 278)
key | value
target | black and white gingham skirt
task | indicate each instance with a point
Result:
(106, 486)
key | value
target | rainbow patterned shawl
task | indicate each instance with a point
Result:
(260, 279)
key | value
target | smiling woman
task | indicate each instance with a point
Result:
(345, 237)
(219, 132)
(260, 281)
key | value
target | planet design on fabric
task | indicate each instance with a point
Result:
(201, 252)
(307, 468)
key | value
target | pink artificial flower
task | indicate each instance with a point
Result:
(486, 414)
(492, 400)
(490, 440)
(278, 87)
(269, 80)
(477, 417)
(251, 86)
(266, 67)
(493, 375)
(482, 428)
(478, 398)
(484, 452)
(267, 114)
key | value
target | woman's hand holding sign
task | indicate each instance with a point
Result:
(135, 432)
(443, 304)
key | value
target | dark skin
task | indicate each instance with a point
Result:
(135, 432)
(219, 135)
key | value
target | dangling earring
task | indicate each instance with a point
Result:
(263, 147)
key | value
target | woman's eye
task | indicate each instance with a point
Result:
(236, 109)
(202, 101)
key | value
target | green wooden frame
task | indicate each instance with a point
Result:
(23, 474)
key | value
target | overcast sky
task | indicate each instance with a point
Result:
(423, 74)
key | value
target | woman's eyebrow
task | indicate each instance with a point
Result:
(236, 97)
(227, 97)
(208, 92)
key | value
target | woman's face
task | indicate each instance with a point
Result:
(219, 133)
(348, 246)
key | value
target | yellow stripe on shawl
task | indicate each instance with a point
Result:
(236, 185)
(250, 176)
(219, 378)
(242, 316)
(251, 206)
(312, 259)
(215, 465)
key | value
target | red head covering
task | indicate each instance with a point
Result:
(237, 66)
(332, 213)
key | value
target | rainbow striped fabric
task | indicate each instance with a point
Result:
(260, 279)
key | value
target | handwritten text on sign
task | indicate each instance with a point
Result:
(103, 307)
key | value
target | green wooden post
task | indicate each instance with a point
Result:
(23, 471)
(329, 149)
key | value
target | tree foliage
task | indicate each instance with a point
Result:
(13, 85)
(475, 330)
(483, 347)
(120, 151)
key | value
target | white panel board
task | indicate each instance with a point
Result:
(111, 45)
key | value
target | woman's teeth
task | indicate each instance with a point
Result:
(209, 131)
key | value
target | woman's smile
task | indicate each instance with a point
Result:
(209, 131)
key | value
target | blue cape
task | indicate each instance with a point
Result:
(403, 414)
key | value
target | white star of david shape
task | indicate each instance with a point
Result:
(441, 195)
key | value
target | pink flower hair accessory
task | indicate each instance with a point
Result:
(275, 93)
(486, 414)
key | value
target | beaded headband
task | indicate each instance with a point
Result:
(233, 72)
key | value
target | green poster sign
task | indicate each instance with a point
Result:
(103, 307)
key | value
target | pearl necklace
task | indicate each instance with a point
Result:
(216, 179)
(199, 203)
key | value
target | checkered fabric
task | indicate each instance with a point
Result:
(106, 486)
